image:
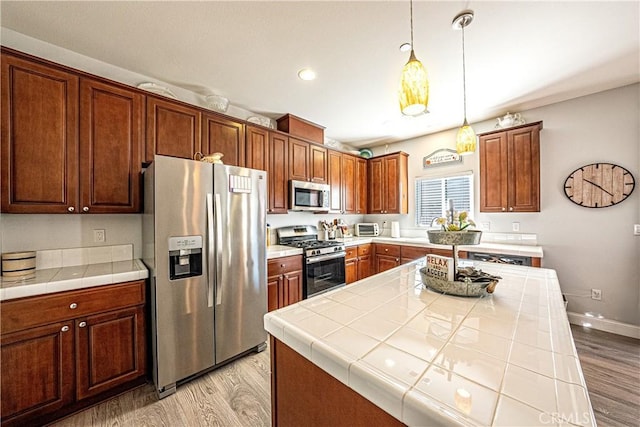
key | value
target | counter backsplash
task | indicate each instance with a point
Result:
(57, 258)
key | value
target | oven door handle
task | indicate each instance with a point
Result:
(321, 258)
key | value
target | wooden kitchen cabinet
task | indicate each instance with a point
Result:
(510, 169)
(334, 167)
(277, 174)
(342, 182)
(63, 351)
(257, 148)
(284, 281)
(351, 264)
(307, 162)
(39, 137)
(223, 135)
(411, 253)
(172, 129)
(358, 262)
(365, 260)
(70, 144)
(388, 182)
(361, 186)
(386, 257)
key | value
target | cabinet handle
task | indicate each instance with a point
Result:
(504, 209)
(65, 328)
(85, 209)
(82, 324)
(511, 209)
(73, 306)
(71, 209)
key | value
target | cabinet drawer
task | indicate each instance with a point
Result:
(364, 249)
(283, 265)
(41, 310)
(391, 250)
(352, 252)
(414, 252)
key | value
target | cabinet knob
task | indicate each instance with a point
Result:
(65, 328)
(82, 324)
(397, 259)
(511, 209)
(73, 306)
(71, 209)
(282, 265)
(386, 250)
(85, 209)
(504, 209)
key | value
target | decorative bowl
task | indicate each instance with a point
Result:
(463, 289)
(466, 237)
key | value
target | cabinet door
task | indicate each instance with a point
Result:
(349, 187)
(37, 372)
(364, 267)
(172, 129)
(298, 160)
(493, 172)
(376, 189)
(278, 174)
(524, 169)
(317, 164)
(395, 174)
(273, 284)
(386, 262)
(220, 135)
(335, 180)
(111, 135)
(39, 138)
(351, 270)
(257, 148)
(361, 186)
(292, 287)
(110, 350)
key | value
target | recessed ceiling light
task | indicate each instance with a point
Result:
(307, 74)
(405, 47)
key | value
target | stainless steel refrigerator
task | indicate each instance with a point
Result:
(205, 246)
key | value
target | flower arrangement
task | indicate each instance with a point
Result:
(455, 221)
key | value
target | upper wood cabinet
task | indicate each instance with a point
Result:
(349, 184)
(335, 180)
(344, 187)
(257, 148)
(221, 135)
(172, 129)
(362, 189)
(277, 173)
(307, 162)
(510, 169)
(69, 144)
(111, 137)
(388, 182)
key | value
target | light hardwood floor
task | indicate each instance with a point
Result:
(238, 394)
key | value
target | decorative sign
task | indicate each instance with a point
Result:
(442, 156)
(440, 267)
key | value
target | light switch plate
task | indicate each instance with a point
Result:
(99, 236)
(515, 226)
(636, 229)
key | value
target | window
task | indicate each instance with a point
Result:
(433, 195)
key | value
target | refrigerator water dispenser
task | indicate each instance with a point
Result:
(185, 257)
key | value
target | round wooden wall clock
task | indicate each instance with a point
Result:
(599, 185)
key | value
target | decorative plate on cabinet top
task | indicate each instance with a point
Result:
(366, 153)
(157, 89)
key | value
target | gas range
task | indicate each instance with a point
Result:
(305, 237)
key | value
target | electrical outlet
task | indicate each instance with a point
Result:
(596, 294)
(636, 229)
(99, 236)
(486, 226)
(515, 226)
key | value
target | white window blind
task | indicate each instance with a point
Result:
(433, 195)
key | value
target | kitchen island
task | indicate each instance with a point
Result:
(387, 351)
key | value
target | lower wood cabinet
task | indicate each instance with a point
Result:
(63, 351)
(387, 257)
(358, 262)
(284, 281)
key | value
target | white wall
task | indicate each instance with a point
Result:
(589, 248)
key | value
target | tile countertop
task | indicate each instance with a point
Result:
(426, 358)
(68, 278)
(277, 251)
(494, 248)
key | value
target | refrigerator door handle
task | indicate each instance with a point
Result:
(210, 243)
(218, 248)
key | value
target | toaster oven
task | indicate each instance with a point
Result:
(367, 229)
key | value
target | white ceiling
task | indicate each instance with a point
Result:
(520, 55)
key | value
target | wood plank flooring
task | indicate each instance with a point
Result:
(238, 394)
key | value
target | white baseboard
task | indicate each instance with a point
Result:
(606, 325)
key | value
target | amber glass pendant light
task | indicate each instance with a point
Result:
(466, 139)
(414, 85)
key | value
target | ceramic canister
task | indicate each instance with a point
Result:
(19, 264)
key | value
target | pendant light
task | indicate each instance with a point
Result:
(414, 85)
(466, 139)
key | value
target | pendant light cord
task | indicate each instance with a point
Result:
(464, 76)
(411, 20)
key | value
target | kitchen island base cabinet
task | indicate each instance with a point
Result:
(65, 351)
(302, 394)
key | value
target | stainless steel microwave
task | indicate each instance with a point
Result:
(308, 196)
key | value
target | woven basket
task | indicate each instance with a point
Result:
(463, 289)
